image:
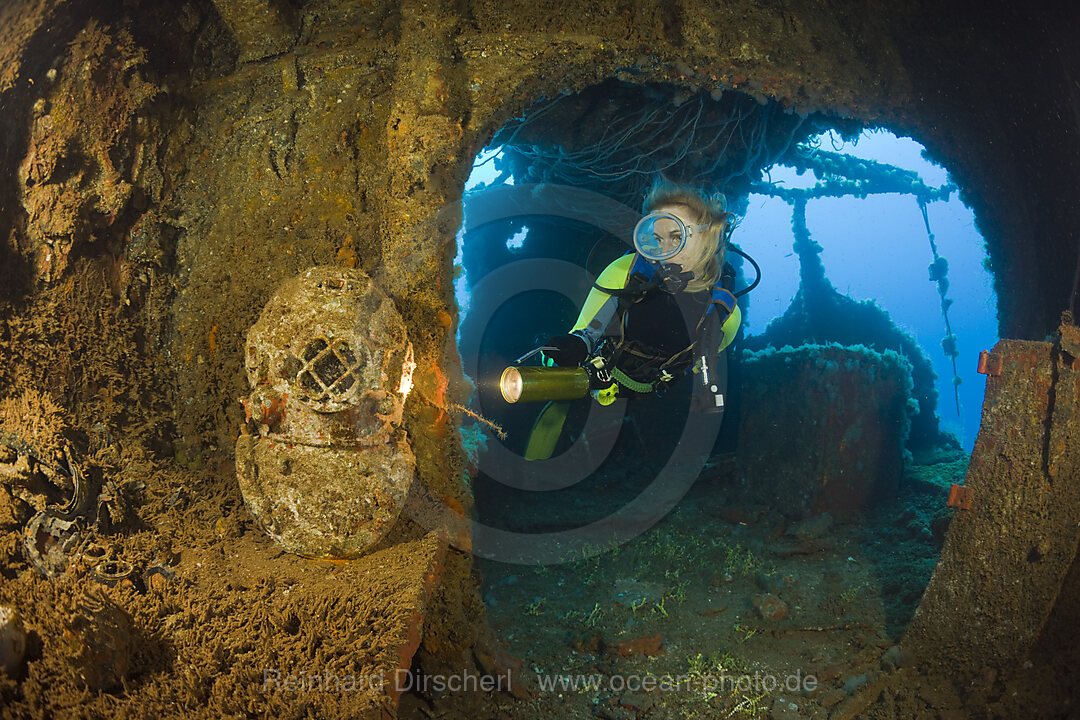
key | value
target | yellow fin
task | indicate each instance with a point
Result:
(546, 431)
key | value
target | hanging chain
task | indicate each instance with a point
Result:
(939, 269)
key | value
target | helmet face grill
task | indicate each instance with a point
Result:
(330, 368)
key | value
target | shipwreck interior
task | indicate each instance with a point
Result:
(253, 458)
(527, 255)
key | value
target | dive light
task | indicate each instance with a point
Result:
(527, 384)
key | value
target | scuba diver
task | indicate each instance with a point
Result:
(654, 315)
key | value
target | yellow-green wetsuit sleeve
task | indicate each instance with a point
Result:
(730, 328)
(614, 276)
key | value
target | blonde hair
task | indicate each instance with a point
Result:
(709, 209)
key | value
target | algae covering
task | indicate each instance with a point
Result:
(169, 165)
(845, 459)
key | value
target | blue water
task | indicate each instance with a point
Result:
(873, 248)
(877, 248)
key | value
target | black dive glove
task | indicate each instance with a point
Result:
(565, 351)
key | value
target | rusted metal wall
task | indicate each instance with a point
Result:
(1017, 524)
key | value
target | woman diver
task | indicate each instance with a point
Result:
(663, 311)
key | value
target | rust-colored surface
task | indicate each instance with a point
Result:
(989, 364)
(164, 173)
(1070, 338)
(648, 646)
(262, 27)
(960, 497)
(414, 623)
(1002, 566)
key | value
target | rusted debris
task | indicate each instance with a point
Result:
(52, 533)
(65, 467)
(158, 576)
(959, 497)
(48, 541)
(989, 364)
(113, 572)
(80, 493)
(58, 534)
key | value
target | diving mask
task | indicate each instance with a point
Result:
(661, 235)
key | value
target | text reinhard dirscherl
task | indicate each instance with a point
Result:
(274, 680)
